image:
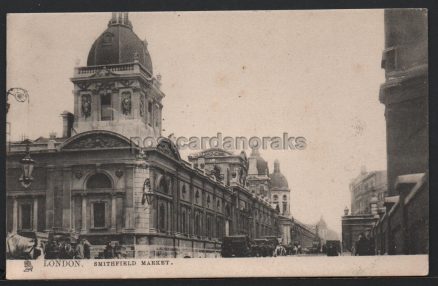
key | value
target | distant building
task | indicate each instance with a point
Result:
(279, 190)
(303, 234)
(325, 233)
(364, 187)
(368, 191)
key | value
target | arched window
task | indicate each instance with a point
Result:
(107, 39)
(284, 198)
(197, 197)
(218, 205)
(149, 115)
(275, 198)
(99, 181)
(162, 218)
(106, 109)
(227, 211)
(183, 192)
(163, 186)
(208, 201)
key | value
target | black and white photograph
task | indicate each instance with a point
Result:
(217, 144)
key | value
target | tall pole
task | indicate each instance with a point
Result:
(20, 95)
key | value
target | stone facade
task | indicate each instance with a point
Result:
(303, 234)
(78, 182)
(92, 181)
(366, 186)
(405, 92)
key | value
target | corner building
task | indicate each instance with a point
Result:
(91, 182)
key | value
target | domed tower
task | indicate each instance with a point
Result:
(258, 174)
(117, 91)
(279, 192)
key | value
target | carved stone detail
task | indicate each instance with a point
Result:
(126, 82)
(141, 105)
(97, 141)
(166, 146)
(86, 105)
(126, 103)
(78, 174)
(119, 173)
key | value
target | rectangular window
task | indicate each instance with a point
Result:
(106, 107)
(99, 215)
(26, 216)
(157, 117)
(149, 115)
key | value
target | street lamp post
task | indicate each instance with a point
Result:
(27, 165)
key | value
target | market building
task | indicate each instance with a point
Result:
(97, 182)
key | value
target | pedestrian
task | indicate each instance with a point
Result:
(79, 250)
(109, 251)
(87, 248)
(370, 244)
(363, 246)
(52, 250)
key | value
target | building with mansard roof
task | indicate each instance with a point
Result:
(97, 181)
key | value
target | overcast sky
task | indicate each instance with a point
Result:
(308, 73)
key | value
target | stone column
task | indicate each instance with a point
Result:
(35, 214)
(73, 215)
(153, 206)
(129, 197)
(113, 212)
(84, 214)
(50, 197)
(66, 198)
(15, 215)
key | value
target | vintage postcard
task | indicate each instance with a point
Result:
(217, 144)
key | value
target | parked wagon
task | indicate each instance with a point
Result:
(236, 246)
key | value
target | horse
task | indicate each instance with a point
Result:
(20, 247)
(279, 251)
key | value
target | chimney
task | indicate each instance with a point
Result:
(67, 124)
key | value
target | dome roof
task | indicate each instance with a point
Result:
(261, 164)
(322, 223)
(278, 180)
(119, 44)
